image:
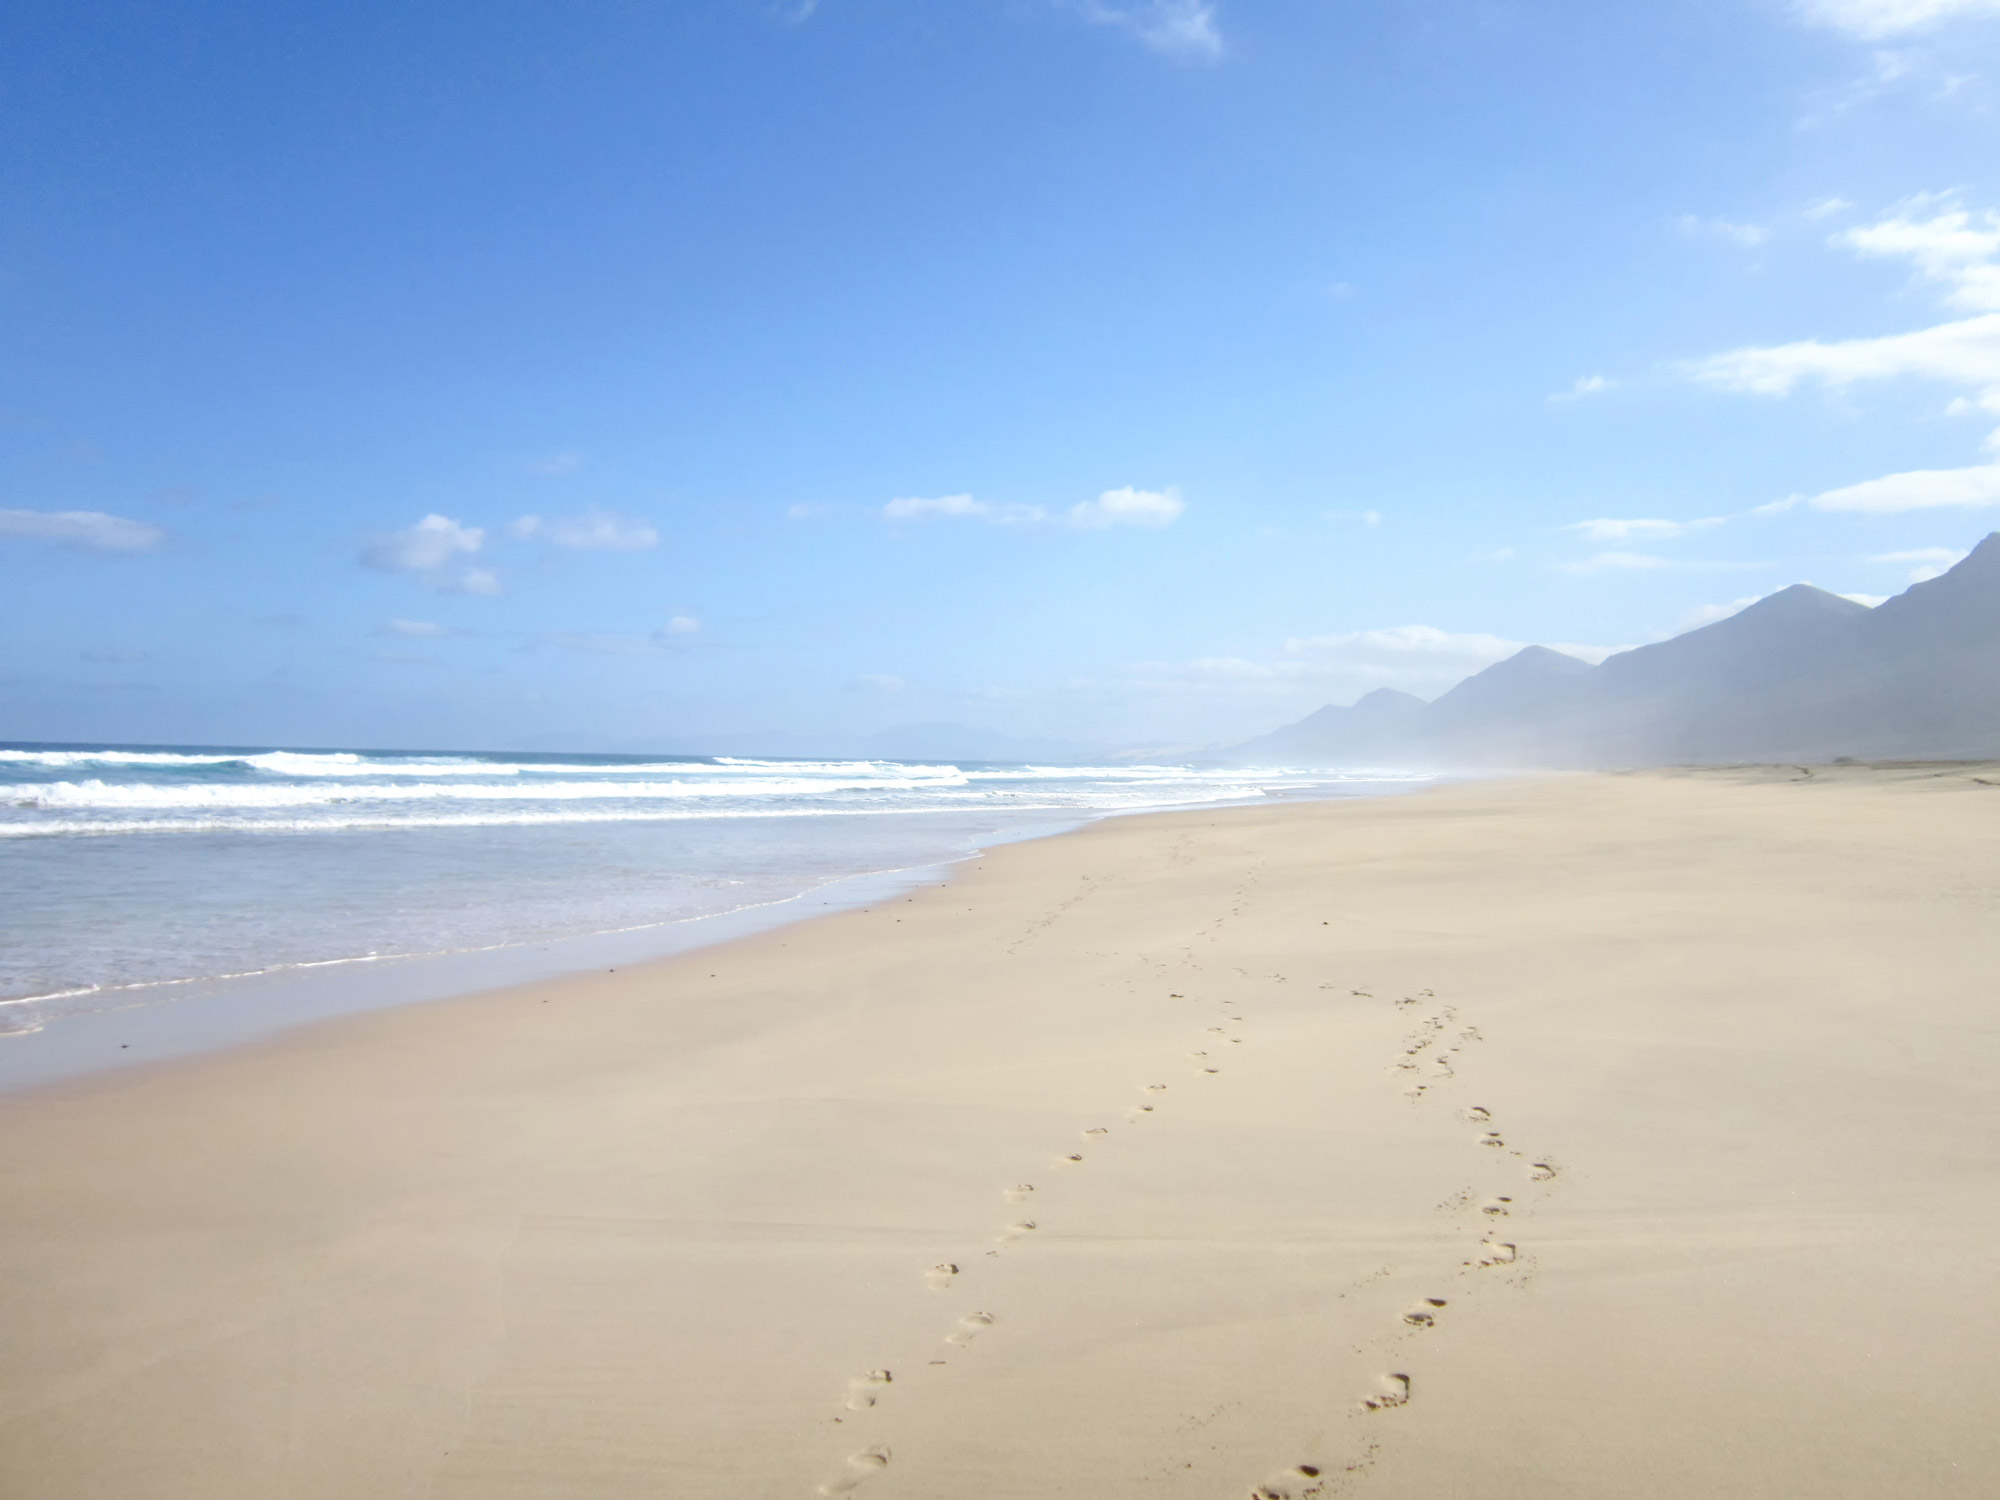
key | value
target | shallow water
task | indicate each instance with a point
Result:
(129, 875)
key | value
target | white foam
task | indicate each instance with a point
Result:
(1102, 802)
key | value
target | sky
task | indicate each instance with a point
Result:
(622, 374)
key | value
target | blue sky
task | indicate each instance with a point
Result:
(609, 375)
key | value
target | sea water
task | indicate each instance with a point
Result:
(137, 877)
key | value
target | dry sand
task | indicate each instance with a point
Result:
(1613, 1136)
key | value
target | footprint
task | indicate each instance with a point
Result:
(1424, 1314)
(1287, 1485)
(1491, 1138)
(1020, 1192)
(940, 1276)
(868, 1461)
(1197, 1054)
(1016, 1230)
(862, 1388)
(1211, 1070)
(1395, 1392)
(1541, 1171)
(969, 1328)
(1478, 1115)
(1495, 1253)
(1495, 1207)
(1070, 1160)
(1138, 1111)
(1096, 1130)
(1154, 1088)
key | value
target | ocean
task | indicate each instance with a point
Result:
(142, 877)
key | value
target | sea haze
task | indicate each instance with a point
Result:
(131, 873)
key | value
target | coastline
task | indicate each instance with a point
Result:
(1691, 1196)
(388, 944)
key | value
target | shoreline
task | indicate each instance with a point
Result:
(80, 1033)
(1566, 1136)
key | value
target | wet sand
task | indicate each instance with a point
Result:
(1593, 1136)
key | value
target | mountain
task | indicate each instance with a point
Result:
(1800, 675)
(1382, 723)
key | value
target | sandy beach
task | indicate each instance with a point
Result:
(1618, 1135)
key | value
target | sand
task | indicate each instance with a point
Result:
(1594, 1136)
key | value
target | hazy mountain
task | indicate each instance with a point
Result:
(1382, 723)
(1802, 674)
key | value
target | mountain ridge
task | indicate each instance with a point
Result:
(1800, 674)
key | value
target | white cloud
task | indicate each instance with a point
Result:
(416, 630)
(680, 625)
(1128, 507)
(1876, 20)
(1928, 562)
(1586, 385)
(1966, 352)
(1946, 555)
(805, 512)
(1746, 235)
(1183, 29)
(1708, 614)
(1122, 507)
(426, 547)
(593, 531)
(1919, 489)
(1625, 531)
(90, 530)
(1952, 245)
(481, 581)
(1871, 600)
(566, 462)
(1827, 207)
(949, 507)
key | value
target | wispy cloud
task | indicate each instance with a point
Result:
(1638, 530)
(1917, 489)
(1586, 385)
(1965, 352)
(1746, 235)
(1185, 30)
(416, 630)
(86, 530)
(430, 551)
(1878, 20)
(1120, 507)
(1924, 563)
(1949, 246)
(1709, 614)
(1128, 507)
(962, 507)
(1953, 245)
(593, 531)
(555, 464)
